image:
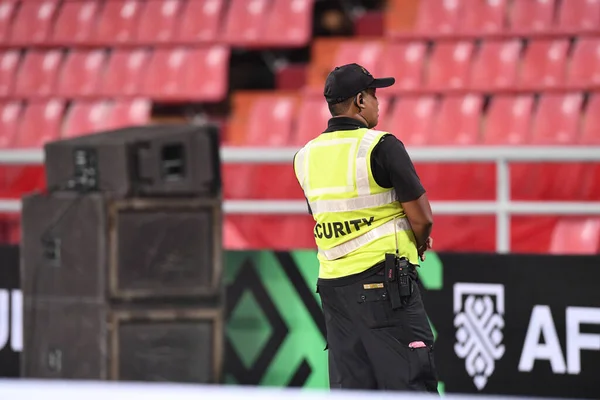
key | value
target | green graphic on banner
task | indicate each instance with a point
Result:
(275, 328)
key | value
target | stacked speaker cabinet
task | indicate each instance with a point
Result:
(122, 277)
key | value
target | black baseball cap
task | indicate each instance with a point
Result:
(349, 80)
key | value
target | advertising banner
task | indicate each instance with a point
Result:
(504, 324)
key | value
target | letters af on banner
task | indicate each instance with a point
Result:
(479, 319)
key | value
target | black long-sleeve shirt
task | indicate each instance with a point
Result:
(390, 163)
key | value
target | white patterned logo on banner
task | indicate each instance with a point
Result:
(479, 319)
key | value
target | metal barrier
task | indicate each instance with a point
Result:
(502, 207)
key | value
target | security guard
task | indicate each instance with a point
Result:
(373, 222)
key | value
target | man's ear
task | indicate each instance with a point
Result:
(359, 101)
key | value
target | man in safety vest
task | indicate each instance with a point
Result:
(373, 222)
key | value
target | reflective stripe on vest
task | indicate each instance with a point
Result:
(357, 203)
(389, 228)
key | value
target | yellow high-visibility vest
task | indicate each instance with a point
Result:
(355, 217)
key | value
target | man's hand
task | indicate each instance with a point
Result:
(427, 246)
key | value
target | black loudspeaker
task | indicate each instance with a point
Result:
(124, 289)
(159, 160)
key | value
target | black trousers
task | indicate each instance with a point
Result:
(368, 341)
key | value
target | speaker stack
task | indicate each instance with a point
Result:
(121, 261)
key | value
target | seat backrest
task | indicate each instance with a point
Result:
(590, 127)
(584, 68)
(578, 15)
(81, 73)
(544, 63)
(576, 236)
(459, 121)
(271, 119)
(495, 65)
(412, 119)
(7, 14)
(289, 23)
(158, 21)
(125, 72)
(38, 73)
(369, 54)
(529, 16)
(201, 21)
(405, 62)
(9, 64)
(438, 18)
(556, 120)
(165, 78)
(85, 118)
(205, 74)
(246, 21)
(311, 120)
(41, 123)
(508, 120)
(124, 113)
(33, 21)
(10, 117)
(450, 65)
(75, 22)
(118, 22)
(483, 17)
(322, 60)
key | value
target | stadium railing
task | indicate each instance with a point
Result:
(503, 207)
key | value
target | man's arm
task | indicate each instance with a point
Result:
(395, 163)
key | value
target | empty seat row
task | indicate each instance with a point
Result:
(549, 119)
(490, 65)
(112, 22)
(31, 124)
(179, 73)
(491, 17)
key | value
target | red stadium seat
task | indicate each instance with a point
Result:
(128, 113)
(118, 22)
(10, 117)
(201, 21)
(557, 119)
(590, 127)
(33, 21)
(246, 22)
(38, 73)
(158, 21)
(495, 65)
(555, 123)
(81, 73)
(576, 16)
(125, 72)
(289, 23)
(590, 135)
(311, 120)
(508, 120)
(483, 17)
(206, 73)
(75, 22)
(165, 78)
(405, 62)
(7, 13)
(584, 69)
(41, 123)
(531, 16)
(458, 124)
(437, 18)
(85, 117)
(412, 119)
(531, 234)
(544, 64)
(458, 121)
(576, 236)
(276, 112)
(369, 54)
(9, 63)
(450, 65)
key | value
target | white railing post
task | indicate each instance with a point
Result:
(503, 205)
